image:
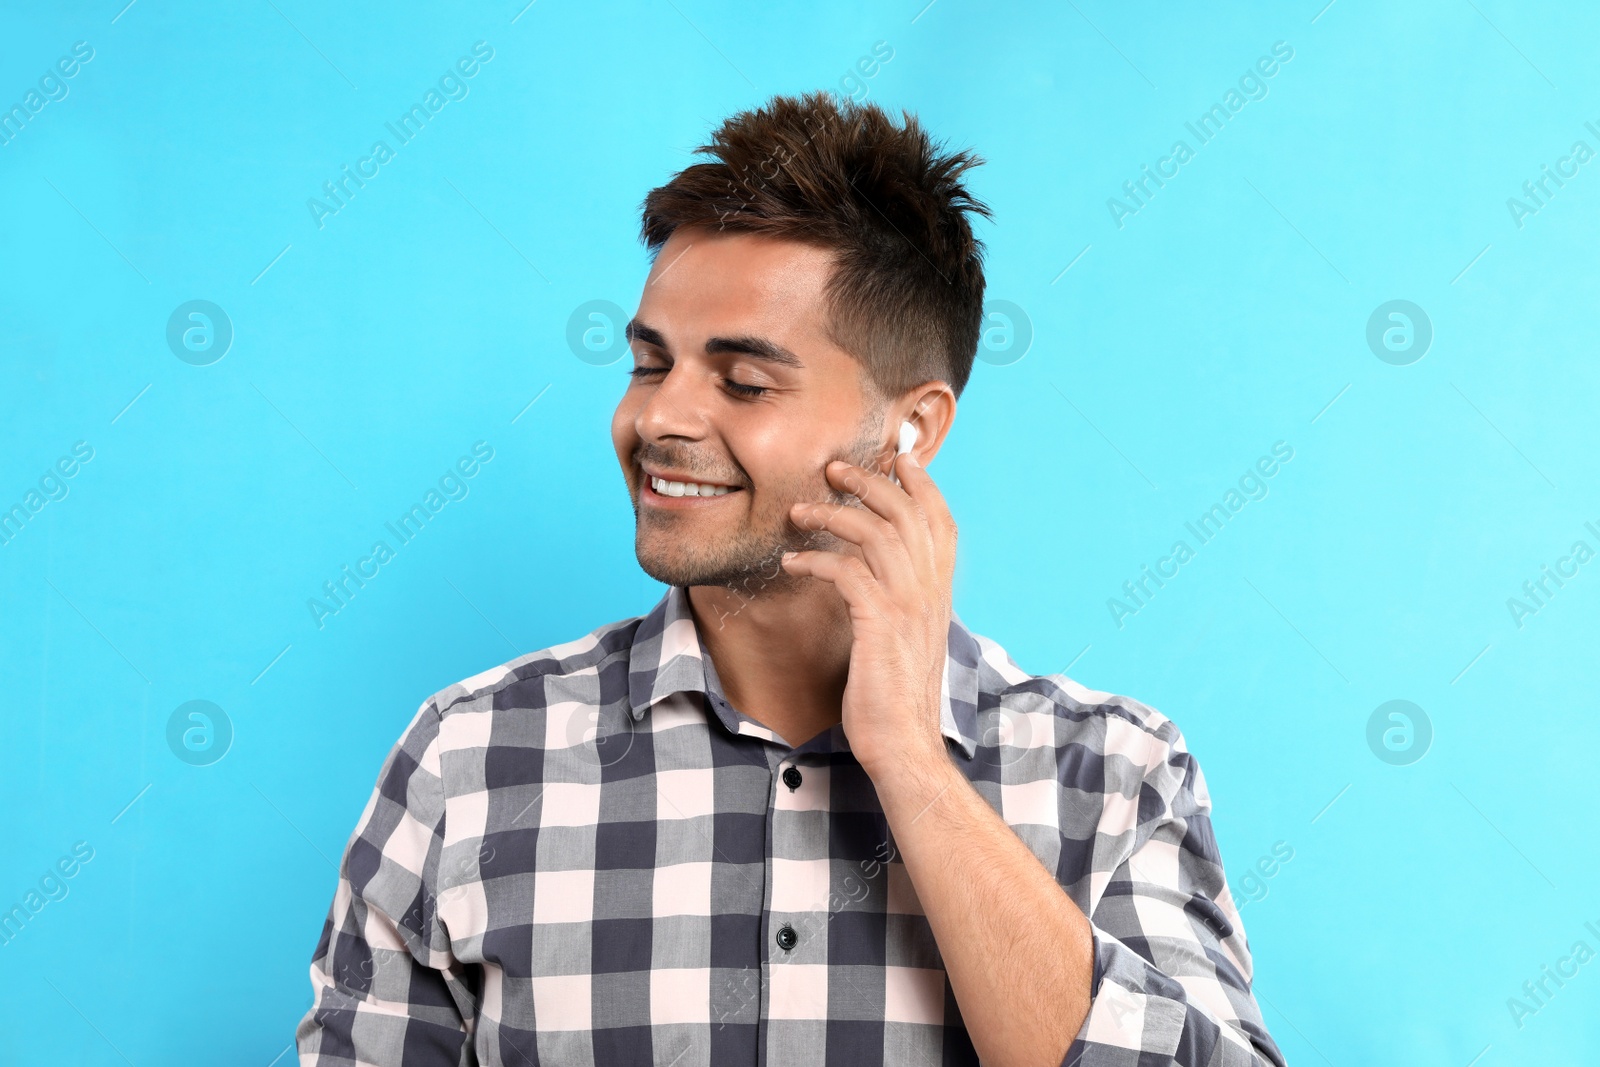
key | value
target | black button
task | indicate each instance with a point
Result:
(791, 777)
(787, 938)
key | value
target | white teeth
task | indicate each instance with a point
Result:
(666, 488)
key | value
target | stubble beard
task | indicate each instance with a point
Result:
(749, 562)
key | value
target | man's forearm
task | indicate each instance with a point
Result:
(1017, 949)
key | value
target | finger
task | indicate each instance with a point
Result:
(919, 487)
(890, 502)
(845, 573)
(866, 598)
(879, 541)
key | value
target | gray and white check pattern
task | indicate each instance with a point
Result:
(586, 856)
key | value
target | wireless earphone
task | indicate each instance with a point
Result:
(908, 441)
(908, 438)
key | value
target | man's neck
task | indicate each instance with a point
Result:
(782, 658)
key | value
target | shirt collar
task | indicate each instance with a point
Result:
(668, 657)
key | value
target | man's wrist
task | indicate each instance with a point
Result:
(912, 775)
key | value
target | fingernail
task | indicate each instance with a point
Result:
(787, 556)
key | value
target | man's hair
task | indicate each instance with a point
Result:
(906, 295)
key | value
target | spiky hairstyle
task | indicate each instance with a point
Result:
(906, 294)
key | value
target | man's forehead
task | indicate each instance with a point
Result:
(716, 283)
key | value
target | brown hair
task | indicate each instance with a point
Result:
(906, 295)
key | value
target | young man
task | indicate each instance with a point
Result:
(798, 814)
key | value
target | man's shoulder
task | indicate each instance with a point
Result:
(1110, 722)
(585, 657)
(1104, 742)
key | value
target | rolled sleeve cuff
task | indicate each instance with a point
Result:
(1140, 1017)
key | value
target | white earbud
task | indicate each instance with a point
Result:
(908, 438)
(908, 441)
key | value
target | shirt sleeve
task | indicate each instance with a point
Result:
(1172, 967)
(386, 989)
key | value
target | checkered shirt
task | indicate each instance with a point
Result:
(586, 856)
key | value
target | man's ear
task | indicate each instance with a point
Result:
(931, 408)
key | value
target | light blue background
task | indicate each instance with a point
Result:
(1228, 314)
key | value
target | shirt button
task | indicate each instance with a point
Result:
(791, 777)
(787, 938)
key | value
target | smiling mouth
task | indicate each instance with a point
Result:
(663, 487)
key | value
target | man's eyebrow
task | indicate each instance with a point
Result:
(755, 347)
(638, 331)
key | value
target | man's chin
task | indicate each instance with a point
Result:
(750, 569)
(752, 578)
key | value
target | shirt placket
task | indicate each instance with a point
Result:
(794, 969)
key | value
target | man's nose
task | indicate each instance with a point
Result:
(675, 409)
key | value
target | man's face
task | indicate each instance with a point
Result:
(736, 393)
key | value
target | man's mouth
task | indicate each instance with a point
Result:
(665, 486)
